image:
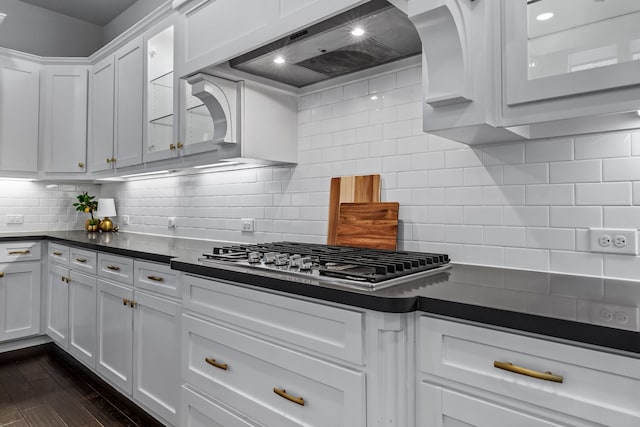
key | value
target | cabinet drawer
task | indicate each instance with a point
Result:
(249, 371)
(19, 251)
(82, 260)
(198, 411)
(597, 386)
(58, 254)
(156, 278)
(116, 268)
(316, 327)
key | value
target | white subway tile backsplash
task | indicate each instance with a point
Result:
(636, 193)
(417, 179)
(550, 194)
(504, 236)
(551, 238)
(429, 232)
(621, 217)
(446, 178)
(429, 196)
(483, 215)
(331, 96)
(584, 263)
(383, 83)
(576, 216)
(409, 77)
(601, 146)
(621, 266)
(412, 110)
(383, 115)
(529, 259)
(387, 147)
(463, 158)
(607, 193)
(412, 144)
(399, 97)
(397, 130)
(438, 143)
(550, 150)
(396, 163)
(534, 173)
(463, 196)
(483, 255)
(504, 195)
(635, 144)
(583, 240)
(432, 160)
(504, 154)
(464, 234)
(445, 214)
(356, 90)
(625, 169)
(321, 113)
(490, 175)
(576, 171)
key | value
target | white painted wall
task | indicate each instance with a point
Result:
(129, 17)
(41, 32)
(44, 209)
(524, 205)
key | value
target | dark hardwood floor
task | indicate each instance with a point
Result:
(44, 387)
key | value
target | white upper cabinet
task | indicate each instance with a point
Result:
(102, 114)
(499, 71)
(213, 31)
(64, 110)
(19, 113)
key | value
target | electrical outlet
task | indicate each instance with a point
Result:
(171, 223)
(246, 224)
(614, 240)
(619, 316)
(125, 219)
(15, 219)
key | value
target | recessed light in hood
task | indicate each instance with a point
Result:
(372, 34)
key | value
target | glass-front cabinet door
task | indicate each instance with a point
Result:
(562, 49)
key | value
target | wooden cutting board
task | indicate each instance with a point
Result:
(368, 225)
(350, 189)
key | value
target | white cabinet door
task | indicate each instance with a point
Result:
(19, 104)
(156, 354)
(115, 334)
(19, 300)
(82, 318)
(129, 104)
(65, 118)
(213, 31)
(102, 114)
(197, 411)
(58, 305)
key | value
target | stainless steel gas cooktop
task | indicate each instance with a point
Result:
(356, 267)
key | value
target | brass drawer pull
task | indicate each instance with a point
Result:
(56, 253)
(218, 365)
(547, 376)
(283, 393)
(155, 278)
(1, 274)
(133, 304)
(125, 301)
(25, 252)
(82, 260)
(172, 147)
(113, 267)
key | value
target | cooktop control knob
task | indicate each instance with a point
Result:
(253, 257)
(281, 260)
(269, 258)
(294, 260)
(306, 263)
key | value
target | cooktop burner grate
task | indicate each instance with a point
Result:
(342, 262)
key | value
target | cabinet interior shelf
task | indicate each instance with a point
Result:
(165, 80)
(166, 120)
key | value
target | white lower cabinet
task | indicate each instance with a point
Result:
(82, 318)
(198, 411)
(19, 299)
(534, 381)
(58, 305)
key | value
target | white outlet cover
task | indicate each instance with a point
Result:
(599, 236)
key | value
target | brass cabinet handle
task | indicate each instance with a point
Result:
(155, 278)
(113, 267)
(218, 365)
(133, 304)
(180, 146)
(113, 160)
(172, 147)
(547, 376)
(283, 393)
(56, 253)
(64, 279)
(82, 260)
(24, 252)
(80, 165)
(108, 160)
(1, 274)
(125, 301)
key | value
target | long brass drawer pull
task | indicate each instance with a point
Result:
(283, 393)
(547, 376)
(25, 252)
(56, 253)
(155, 278)
(81, 260)
(113, 267)
(218, 365)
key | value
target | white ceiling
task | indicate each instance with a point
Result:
(95, 11)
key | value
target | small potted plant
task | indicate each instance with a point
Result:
(87, 204)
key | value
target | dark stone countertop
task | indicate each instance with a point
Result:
(561, 306)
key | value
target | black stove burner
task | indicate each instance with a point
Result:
(347, 263)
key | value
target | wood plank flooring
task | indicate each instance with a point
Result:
(45, 388)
